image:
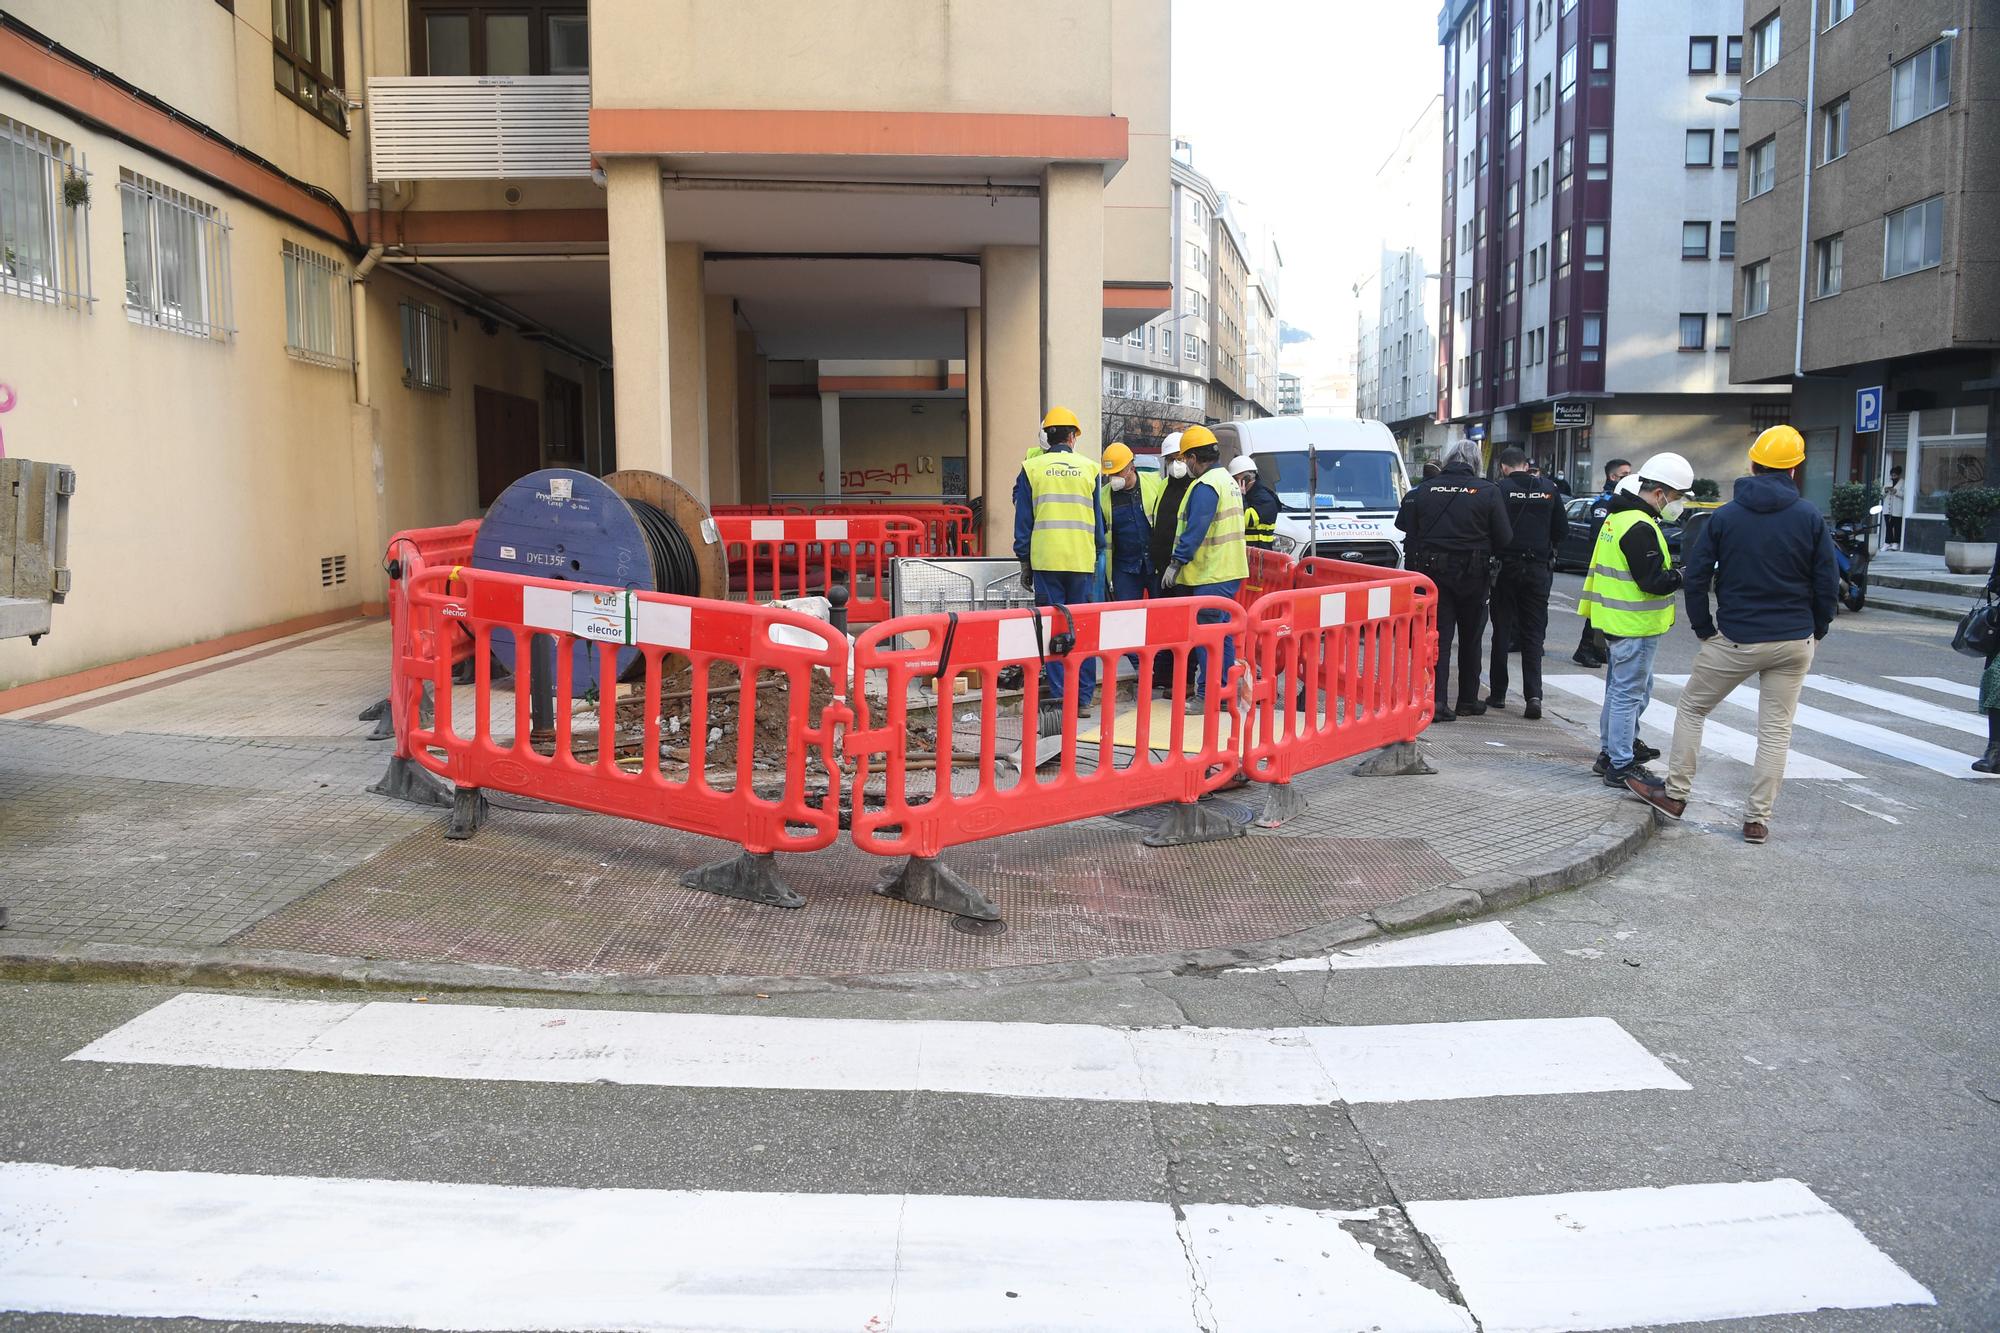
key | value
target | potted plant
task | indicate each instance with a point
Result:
(1852, 500)
(1707, 488)
(1968, 513)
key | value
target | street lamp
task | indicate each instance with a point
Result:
(1804, 104)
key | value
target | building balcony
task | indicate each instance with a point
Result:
(479, 128)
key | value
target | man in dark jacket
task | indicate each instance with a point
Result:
(1521, 589)
(1260, 504)
(1769, 558)
(1590, 647)
(1457, 526)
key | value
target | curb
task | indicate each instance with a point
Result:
(1877, 602)
(1621, 834)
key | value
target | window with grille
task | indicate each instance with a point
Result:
(44, 218)
(306, 56)
(1920, 85)
(319, 311)
(426, 347)
(1914, 238)
(176, 260)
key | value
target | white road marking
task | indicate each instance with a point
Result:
(1618, 1258)
(414, 1254)
(1889, 744)
(1723, 740)
(1917, 710)
(1957, 689)
(1489, 943)
(1220, 1066)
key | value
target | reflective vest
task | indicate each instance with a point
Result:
(1258, 532)
(1221, 557)
(1063, 487)
(1612, 600)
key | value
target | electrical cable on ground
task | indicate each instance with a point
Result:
(675, 570)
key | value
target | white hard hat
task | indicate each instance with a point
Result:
(1669, 470)
(1627, 485)
(1243, 465)
(1171, 445)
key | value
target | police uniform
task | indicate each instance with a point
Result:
(1456, 523)
(1521, 588)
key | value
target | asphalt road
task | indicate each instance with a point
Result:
(1829, 999)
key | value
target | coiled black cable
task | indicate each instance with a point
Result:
(675, 570)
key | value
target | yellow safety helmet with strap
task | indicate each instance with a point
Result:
(1196, 437)
(1117, 458)
(1221, 557)
(1061, 416)
(1780, 447)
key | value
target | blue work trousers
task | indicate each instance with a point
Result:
(1628, 688)
(1065, 589)
(1200, 655)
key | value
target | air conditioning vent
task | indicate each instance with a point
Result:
(332, 570)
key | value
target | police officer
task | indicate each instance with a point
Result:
(1209, 558)
(1260, 504)
(1590, 650)
(1521, 589)
(1058, 533)
(1456, 523)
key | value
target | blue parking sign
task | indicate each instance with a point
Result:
(1867, 410)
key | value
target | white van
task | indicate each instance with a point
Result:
(1361, 482)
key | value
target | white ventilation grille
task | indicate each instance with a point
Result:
(332, 571)
(480, 128)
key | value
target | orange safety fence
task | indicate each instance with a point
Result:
(949, 528)
(1270, 571)
(794, 555)
(410, 553)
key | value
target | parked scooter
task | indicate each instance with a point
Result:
(1850, 551)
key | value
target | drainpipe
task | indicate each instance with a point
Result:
(1805, 197)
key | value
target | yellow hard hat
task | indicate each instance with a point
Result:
(1116, 459)
(1196, 437)
(1061, 416)
(1780, 447)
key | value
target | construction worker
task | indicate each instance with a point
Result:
(1127, 503)
(1456, 525)
(1209, 558)
(1590, 647)
(1520, 600)
(1628, 596)
(1058, 532)
(1260, 504)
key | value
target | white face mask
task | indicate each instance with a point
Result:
(1117, 483)
(1177, 469)
(1672, 509)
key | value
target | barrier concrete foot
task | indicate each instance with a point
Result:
(469, 813)
(753, 877)
(1281, 802)
(1402, 759)
(928, 882)
(1193, 822)
(407, 780)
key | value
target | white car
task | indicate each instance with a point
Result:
(1361, 482)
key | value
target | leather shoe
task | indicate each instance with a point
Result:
(1755, 832)
(1469, 707)
(1657, 798)
(1443, 714)
(1532, 710)
(1497, 701)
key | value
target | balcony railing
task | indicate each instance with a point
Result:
(479, 128)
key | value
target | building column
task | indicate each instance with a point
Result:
(829, 442)
(636, 215)
(975, 407)
(1072, 292)
(753, 421)
(719, 351)
(686, 406)
(1010, 373)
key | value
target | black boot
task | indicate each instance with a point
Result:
(1990, 761)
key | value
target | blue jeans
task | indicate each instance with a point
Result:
(1200, 655)
(1628, 688)
(1065, 589)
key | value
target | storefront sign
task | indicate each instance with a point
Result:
(1569, 416)
(1542, 423)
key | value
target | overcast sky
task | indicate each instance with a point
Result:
(1291, 105)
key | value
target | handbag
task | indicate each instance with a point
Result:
(1978, 629)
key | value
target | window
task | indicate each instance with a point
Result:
(1600, 55)
(1598, 155)
(1566, 68)
(1836, 10)
(1920, 85)
(1516, 47)
(1701, 55)
(1565, 155)
(1190, 347)
(1479, 368)
(1513, 200)
(306, 56)
(1562, 339)
(1593, 247)
(1593, 338)
(1514, 123)
(1763, 46)
(176, 259)
(1114, 381)
(1513, 276)
(496, 38)
(1733, 58)
(1507, 357)
(1136, 338)
(1694, 332)
(1194, 256)
(1833, 137)
(1826, 265)
(1723, 325)
(1694, 240)
(1562, 251)
(426, 347)
(318, 307)
(1729, 142)
(44, 239)
(1913, 239)
(1951, 454)
(1756, 288)
(1725, 240)
(1763, 177)
(1700, 150)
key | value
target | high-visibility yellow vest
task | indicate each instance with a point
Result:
(1256, 531)
(1151, 487)
(1221, 556)
(1063, 487)
(1612, 600)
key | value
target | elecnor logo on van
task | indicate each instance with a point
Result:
(1348, 525)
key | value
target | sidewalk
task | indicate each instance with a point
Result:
(212, 822)
(1920, 585)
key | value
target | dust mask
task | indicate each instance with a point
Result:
(1177, 469)
(1671, 511)
(1117, 483)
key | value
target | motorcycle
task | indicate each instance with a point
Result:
(1850, 552)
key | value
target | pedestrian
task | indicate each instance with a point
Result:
(1127, 503)
(1521, 588)
(1058, 534)
(1590, 647)
(1769, 557)
(1209, 557)
(1989, 691)
(1628, 596)
(1260, 504)
(1431, 468)
(1561, 484)
(1456, 525)
(1892, 509)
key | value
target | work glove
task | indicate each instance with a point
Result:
(1172, 576)
(1027, 577)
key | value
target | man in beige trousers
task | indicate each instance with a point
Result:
(1769, 558)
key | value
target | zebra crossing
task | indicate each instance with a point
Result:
(459, 1254)
(1927, 736)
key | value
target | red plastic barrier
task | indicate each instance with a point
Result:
(787, 556)
(416, 630)
(1270, 571)
(1342, 666)
(1089, 779)
(948, 528)
(719, 795)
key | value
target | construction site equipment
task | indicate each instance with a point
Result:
(34, 545)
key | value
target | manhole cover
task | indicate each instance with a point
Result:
(965, 925)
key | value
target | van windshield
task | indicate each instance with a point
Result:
(1348, 479)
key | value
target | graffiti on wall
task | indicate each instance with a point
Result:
(6, 405)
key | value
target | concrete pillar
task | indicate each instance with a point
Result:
(686, 383)
(753, 421)
(635, 212)
(829, 442)
(1072, 283)
(719, 351)
(975, 408)
(1010, 352)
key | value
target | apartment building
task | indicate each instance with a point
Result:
(1291, 400)
(1895, 333)
(1588, 233)
(282, 277)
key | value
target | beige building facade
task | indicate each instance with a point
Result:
(288, 276)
